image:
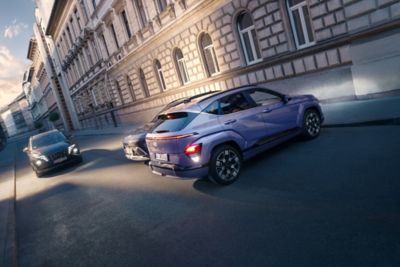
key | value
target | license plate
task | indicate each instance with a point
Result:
(163, 157)
(60, 160)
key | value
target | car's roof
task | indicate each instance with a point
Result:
(44, 134)
(197, 104)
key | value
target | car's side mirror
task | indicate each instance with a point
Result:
(25, 150)
(285, 99)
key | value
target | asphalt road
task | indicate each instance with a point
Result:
(333, 201)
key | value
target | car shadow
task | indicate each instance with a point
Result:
(93, 159)
(246, 180)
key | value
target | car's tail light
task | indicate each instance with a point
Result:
(193, 149)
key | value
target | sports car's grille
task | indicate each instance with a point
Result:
(58, 155)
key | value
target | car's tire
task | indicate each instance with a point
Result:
(225, 165)
(311, 124)
(39, 174)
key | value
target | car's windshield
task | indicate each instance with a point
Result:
(48, 139)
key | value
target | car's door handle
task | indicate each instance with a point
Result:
(266, 110)
(229, 122)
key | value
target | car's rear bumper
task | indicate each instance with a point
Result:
(178, 171)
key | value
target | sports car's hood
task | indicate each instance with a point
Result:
(51, 149)
(138, 133)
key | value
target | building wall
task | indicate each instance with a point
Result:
(353, 52)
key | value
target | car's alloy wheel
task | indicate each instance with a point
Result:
(311, 124)
(226, 163)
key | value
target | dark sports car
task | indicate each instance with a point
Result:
(134, 144)
(50, 150)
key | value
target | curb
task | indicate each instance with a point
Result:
(383, 122)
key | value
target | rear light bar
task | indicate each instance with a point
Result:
(193, 149)
(170, 137)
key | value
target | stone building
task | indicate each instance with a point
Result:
(37, 88)
(16, 118)
(124, 59)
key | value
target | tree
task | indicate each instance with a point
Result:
(54, 116)
(38, 124)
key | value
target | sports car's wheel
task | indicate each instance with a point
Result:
(311, 124)
(225, 165)
(38, 174)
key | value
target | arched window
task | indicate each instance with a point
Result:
(248, 38)
(142, 14)
(119, 92)
(301, 23)
(159, 74)
(181, 66)
(162, 5)
(143, 82)
(208, 53)
(130, 87)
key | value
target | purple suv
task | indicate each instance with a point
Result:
(212, 135)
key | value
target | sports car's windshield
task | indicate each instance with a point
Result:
(48, 139)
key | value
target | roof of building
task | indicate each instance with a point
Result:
(56, 11)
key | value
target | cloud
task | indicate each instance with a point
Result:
(14, 29)
(11, 75)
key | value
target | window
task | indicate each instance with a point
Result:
(181, 66)
(143, 82)
(105, 45)
(126, 24)
(114, 34)
(234, 103)
(71, 22)
(130, 87)
(301, 23)
(208, 53)
(141, 11)
(160, 74)
(89, 56)
(119, 92)
(93, 93)
(69, 36)
(162, 5)
(173, 122)
(85, 13)
(213, 108)
(248, 38)
(78, 19)
(262, 97)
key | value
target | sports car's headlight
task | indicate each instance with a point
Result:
(39, 156)
(73, 149)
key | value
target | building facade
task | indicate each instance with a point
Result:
(37, 88)
(122, 60)
(16, 117)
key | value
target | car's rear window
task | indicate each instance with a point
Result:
(173, 122)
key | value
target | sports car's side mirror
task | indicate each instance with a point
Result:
(285, 99)
(25, 150)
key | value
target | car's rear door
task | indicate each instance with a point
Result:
(239, 114)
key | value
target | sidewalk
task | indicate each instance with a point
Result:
(377, 111)
(105, 131)
(7, 208)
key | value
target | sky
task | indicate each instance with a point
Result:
(16, 23)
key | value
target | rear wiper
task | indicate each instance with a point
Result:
(162, 131)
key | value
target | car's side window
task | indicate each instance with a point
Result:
(262, 97)
(234, 103)
(213, 108)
